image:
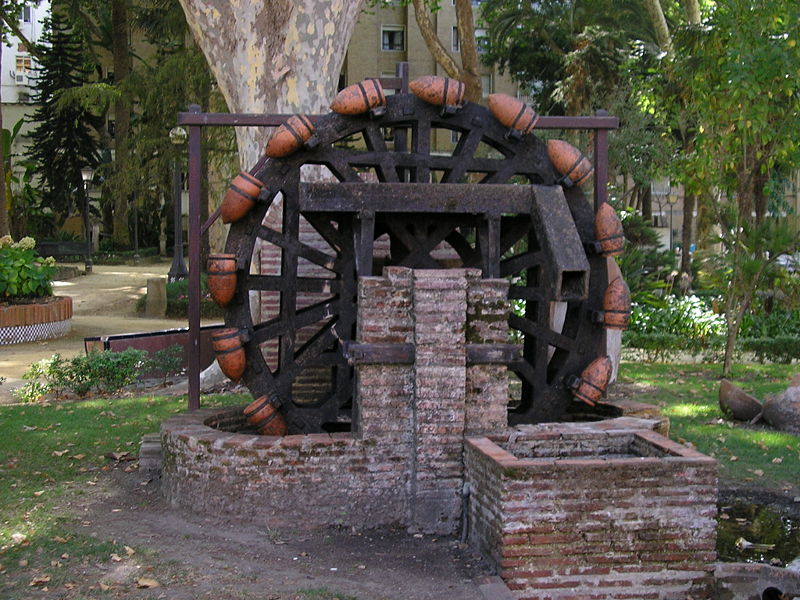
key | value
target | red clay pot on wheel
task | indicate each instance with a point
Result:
(439, 91)
(617, 305)
(594, 381)
(265, 417)
(240, 197)
(608, 231)
(359, 98)
(569, 161)
(512, 113)
(288, 138)
(227, 345)
(222, 277)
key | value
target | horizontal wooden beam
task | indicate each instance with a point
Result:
(493, 354)
(455, 198)
(379, 353)
(403, 354)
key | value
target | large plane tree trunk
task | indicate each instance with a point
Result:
(281, 56)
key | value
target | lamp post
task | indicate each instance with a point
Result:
(86, 175)
(672, 199)
(178, 136)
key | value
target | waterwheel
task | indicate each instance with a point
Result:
(366, 191)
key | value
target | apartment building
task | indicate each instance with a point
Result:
(388, 34)
(17, 73)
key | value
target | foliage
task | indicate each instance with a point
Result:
(563, 53)
(780, 349)
(23, 273)
(750, 249)
(646, 268)
(676, 325)
(686, 316)
(103, 372)
(741, 72)
(778, 322)
(64, 140)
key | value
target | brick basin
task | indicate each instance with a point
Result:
(213, 465)
(565, 511)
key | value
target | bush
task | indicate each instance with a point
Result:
(23, 273)
(779, 322)
(780, 349)
(687, 316)
(104, 372)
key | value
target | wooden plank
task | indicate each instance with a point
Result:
(493, 354)
(379, 353)
(417, 198)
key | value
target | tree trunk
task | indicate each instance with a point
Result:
(647, 205)
(689, 201)
(281, 56)
(660, 26)
(468, 71)
(122, 119)
(3, 200)
(692, 9)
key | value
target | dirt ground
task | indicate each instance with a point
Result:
(198, 557)
(103, 303)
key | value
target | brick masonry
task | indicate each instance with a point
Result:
(574, 512)
(597, 510)
(402, 463)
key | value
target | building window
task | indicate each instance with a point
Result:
(486, 85)
(481, 40)
(393, 38)
(23, 64)
(26, 14)
(454, 136)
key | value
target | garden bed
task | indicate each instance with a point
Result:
(37, 319)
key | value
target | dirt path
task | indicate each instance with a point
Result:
(103, 303)
(198, 557)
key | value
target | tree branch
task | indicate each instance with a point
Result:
(468, 49)
(432, 41)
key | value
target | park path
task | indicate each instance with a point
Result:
(103, 303)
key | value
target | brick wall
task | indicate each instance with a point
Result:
(403, 463)
(566, 512)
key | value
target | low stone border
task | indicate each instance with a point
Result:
(36, 321)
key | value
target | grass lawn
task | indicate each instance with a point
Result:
(753, 456)
(50, 453)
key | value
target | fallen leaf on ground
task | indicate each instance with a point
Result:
(78, 456)
(104, 587)
(116, 557)
(116, 455)
(777, 460)
(60, 539)
(129, 551)
(147, 582)
(39, 580)
(39, 493)
(59, 452)
(734, 458)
